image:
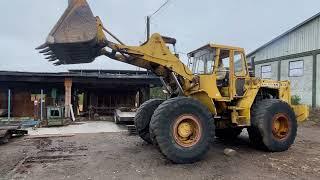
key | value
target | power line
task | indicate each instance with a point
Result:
(163, 5)
(149, 17)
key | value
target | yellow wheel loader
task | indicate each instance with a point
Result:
(214, 95)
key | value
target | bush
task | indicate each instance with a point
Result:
(157, 92)
(295, 100)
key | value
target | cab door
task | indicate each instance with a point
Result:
(240, 73)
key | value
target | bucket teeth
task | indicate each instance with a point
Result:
(43, 46)
(51, 57)
(58, 63)
(45, 50)
(48, 53)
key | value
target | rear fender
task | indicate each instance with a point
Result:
(205, 100)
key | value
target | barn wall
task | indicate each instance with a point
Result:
(21, 104)
(302, 85)
(318, 81)
(303, 39)
(3, 98)
(303, 43)
(274, 69)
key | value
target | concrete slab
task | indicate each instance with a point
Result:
(79, 128)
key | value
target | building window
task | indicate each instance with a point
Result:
(296, 68)
(266, 72)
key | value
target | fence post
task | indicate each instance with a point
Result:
(9, 104)
(41, 105)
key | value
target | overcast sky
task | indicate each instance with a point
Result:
(246, 23)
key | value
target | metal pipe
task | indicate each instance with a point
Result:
(167, 88)
(41, 105)
(177, 82)
(9, 104)
(113, 36)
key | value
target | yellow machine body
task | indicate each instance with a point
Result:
(85, 40)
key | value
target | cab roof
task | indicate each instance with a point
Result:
(216, 46)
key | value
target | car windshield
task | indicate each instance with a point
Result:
(202, 61)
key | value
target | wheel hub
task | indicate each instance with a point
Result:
(187, 130)
(280, 126)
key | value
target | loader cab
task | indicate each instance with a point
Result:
(224, 66)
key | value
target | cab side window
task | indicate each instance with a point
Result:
(223, 65)
(239, 64)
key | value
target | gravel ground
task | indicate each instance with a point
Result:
(119, 156)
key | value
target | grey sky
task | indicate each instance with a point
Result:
(246, 23)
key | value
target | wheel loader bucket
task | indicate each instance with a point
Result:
(73, 40)
(302, 112)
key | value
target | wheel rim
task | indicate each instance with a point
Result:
(187, 130)
(280, 126)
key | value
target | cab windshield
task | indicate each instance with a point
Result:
(202, 61)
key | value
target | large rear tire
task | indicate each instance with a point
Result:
(273, 125)
(143, 118)
(183, 128)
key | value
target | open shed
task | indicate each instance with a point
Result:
(90, 92)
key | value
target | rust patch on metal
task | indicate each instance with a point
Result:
(187, 130)
(280, 126)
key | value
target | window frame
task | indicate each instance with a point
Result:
(195, 68)
(219, 59)
(244, 71)
(266, 72)
(289, 68)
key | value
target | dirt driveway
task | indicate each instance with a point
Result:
(118, 156)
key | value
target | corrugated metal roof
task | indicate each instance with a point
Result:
(215, 46)
(112, 78)
(286, 33)
(104, 74)
(103, 71)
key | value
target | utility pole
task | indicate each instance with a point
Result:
(148, 27)
(149, 19)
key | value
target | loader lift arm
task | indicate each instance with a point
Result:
(79, 37)
(153, 55)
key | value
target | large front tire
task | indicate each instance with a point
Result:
(183, 128)
(143, 118)
(273, 125)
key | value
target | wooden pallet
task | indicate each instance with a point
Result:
(132, 130)
(7, 131)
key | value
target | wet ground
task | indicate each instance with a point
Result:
(119, 156)
(80, 128)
